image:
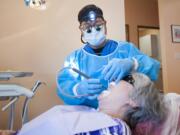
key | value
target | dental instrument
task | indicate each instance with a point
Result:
(104, 83)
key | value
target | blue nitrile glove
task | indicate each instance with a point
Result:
(104, 83)
(116, 69)
(89, 87)
(98, 74)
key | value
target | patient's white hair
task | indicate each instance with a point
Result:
(150, 105)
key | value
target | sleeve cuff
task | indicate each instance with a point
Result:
(136, 64)
(75, 90)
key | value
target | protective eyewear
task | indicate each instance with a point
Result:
(129, 79)
(87, 26)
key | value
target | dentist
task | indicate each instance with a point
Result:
(99, 58)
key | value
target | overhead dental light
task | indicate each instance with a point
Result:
(36, 4)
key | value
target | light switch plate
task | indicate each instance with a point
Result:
(177, 55)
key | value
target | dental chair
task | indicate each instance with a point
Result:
(12, 92)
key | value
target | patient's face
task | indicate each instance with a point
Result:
(117, 101)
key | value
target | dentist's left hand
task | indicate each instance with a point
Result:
(117, 68)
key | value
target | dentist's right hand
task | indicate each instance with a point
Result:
(89, 87)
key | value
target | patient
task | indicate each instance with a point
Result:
(74, 120)
(142, 106)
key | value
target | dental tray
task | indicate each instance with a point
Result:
(5, 75)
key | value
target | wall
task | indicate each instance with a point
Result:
(168, 13)
(140, 12)
(39, 41)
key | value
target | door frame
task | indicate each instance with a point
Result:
(146, 27)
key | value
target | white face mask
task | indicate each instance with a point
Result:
(96, 36)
